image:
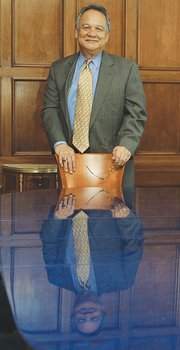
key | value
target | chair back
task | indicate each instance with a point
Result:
(92, 170)
(95, 183)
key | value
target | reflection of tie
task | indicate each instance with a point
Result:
(83, 109)
(81, 247)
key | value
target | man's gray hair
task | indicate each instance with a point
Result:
(96, 7)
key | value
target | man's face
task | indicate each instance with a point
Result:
(92, 34)
(88, 314)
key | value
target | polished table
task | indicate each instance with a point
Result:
(135, 258)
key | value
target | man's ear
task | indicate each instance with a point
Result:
(76, 33)
(107, 38)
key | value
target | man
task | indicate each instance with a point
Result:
(116, 246)
(118, 112)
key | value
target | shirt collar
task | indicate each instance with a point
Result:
(96, 60)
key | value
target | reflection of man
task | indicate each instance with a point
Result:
(117, 115)
(115, 239)
(88, 313)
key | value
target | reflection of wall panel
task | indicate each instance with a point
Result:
(163, 126)
(155, 202)
(159, 34)
(27, 294)
(155, 287)
(37, 31)
(159, 208)
(29, 135)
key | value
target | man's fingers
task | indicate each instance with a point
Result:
(66, 158)
(69, 164)
(120, 155)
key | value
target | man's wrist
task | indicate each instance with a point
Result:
(58, 143)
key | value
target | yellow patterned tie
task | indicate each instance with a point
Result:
(83, 109)
(81, 247)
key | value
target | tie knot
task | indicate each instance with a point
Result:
(88, 61)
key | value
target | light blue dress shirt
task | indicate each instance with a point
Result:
(72, 97)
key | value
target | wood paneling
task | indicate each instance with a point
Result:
(69, 27)
(158, 34)
(163, 126)
(35, 33)
(159, 207)
(5, 40)
(6, 116)
(27, 124)
(156, 202)
(154, 288)
(131, 29)
(38, 23)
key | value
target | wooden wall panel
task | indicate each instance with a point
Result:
(5, 40)
(37, 32)
(131, 13)
(28, 133)
(158, 35)
(6, 116)
(162, 132)
(116, 10)
(69, 16)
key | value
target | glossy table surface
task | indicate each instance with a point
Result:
(132, 297)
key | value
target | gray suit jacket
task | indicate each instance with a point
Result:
(118, 113)
(116, 247)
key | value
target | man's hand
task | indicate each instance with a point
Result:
(65, 208)
(120, 210)
(120, 155)
(66, 157)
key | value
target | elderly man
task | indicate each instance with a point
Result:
(94, 102)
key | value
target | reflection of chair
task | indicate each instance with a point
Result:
(92, 170)
(95, 182)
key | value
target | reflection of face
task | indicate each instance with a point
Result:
(88, 313)
(92, 34)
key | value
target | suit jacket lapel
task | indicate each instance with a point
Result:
(106, 75)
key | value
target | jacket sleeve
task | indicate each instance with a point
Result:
(51, 111)
(135, 112)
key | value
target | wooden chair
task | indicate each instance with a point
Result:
(95, 183)
(92, 170)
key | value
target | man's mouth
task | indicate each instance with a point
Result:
(93, 41)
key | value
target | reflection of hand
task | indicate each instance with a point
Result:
(65, 207)
(120, 210)
(120, 155)
(66, 158)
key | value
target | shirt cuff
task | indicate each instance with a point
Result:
(59, 143)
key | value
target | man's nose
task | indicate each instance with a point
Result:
(92, 31)
(87, 311)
